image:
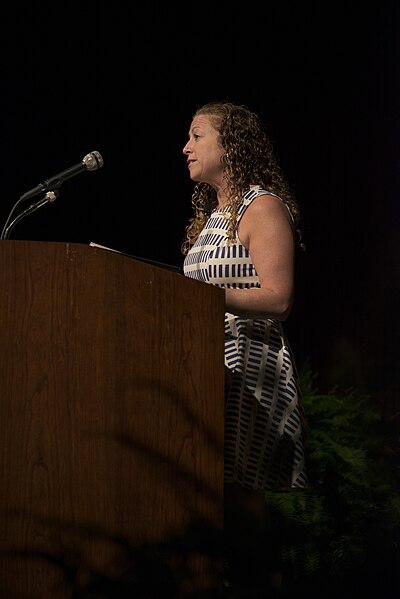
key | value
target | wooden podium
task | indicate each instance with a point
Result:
(111, 426)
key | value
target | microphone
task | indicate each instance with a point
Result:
(90, 162)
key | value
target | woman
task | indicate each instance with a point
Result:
(242, 237)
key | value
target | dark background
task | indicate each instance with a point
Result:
(124, 80)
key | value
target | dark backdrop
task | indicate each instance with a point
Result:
(125, 80)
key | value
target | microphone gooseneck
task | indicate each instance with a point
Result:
(90, 162)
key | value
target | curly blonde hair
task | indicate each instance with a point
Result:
(248, 160)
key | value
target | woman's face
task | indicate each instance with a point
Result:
(204, 153)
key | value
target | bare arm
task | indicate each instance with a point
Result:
(266, 231)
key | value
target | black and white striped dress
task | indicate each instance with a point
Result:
(264, 421)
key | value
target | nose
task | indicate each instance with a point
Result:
(186, 149)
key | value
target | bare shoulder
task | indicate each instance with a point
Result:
(266, 208)
(267, 216)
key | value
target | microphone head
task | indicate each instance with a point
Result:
(93, 161)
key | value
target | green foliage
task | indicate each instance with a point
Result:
(346, 526)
